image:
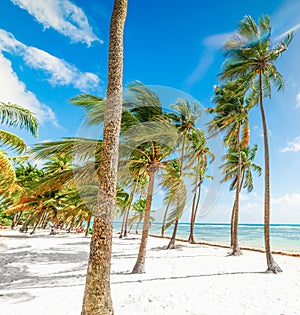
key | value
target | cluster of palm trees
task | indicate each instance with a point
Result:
(157, 148)
(247, 77)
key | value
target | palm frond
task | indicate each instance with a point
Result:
(17, 116)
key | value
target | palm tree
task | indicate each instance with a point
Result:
(149, 157)
(200, 161)
(97, 296)
(250, 56)
(231, 115)
(138, 208)
(230, 167)
(169, 182)
(13, 115)
(184, 118)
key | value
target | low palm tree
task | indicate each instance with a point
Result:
(229, 169)
(198, 166)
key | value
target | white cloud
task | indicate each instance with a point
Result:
(286, 208)
(287, 200)
(61, 15)
(59, 71)
(298, 100)
(14, 91)
(293, 145)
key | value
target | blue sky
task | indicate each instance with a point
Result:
(53, 50)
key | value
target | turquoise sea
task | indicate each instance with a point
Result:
(284, 237)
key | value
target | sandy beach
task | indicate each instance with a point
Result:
(43, 275)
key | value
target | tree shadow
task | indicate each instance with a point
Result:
(187, 277)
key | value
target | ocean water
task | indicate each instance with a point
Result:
(284, 237)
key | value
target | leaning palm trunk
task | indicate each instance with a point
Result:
(140, 263)
(138, 224)
(191, 237)
(194, 214)
(232, 224)
(38, 221)
(171, 244)
(97, 297)
(235, 245)
(126, 214)
(233, 215)
(272, 265)
(163, 225)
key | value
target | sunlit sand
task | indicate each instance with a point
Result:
(43, 274)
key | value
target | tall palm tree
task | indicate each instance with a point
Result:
(231, 116)
(251, 56)
(97, 296)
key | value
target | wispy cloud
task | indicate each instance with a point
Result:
(298, 100)
(14, 91)
(211, 44)
(61, 15)
(287, 200)
(58, 71)
(292, 146)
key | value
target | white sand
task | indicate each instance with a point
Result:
(44, 274)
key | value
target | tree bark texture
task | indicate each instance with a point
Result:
(97, 296)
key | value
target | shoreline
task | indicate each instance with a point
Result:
(275, 252)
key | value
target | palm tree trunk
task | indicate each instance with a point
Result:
(28, 220)
(140, 263)
(192, 239)
(71, 224)
(232, 224)
(130, 227)
(97, 296)
(128, 208)
(123, 224)
(235, 245)
(163, 226)
(233, 214)
(14, 221)
(138, 224)
(171, 244)
(39, 219)
(88, 224)
(272, 265)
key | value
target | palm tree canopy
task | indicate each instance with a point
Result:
(230, 167)
(250, 54)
